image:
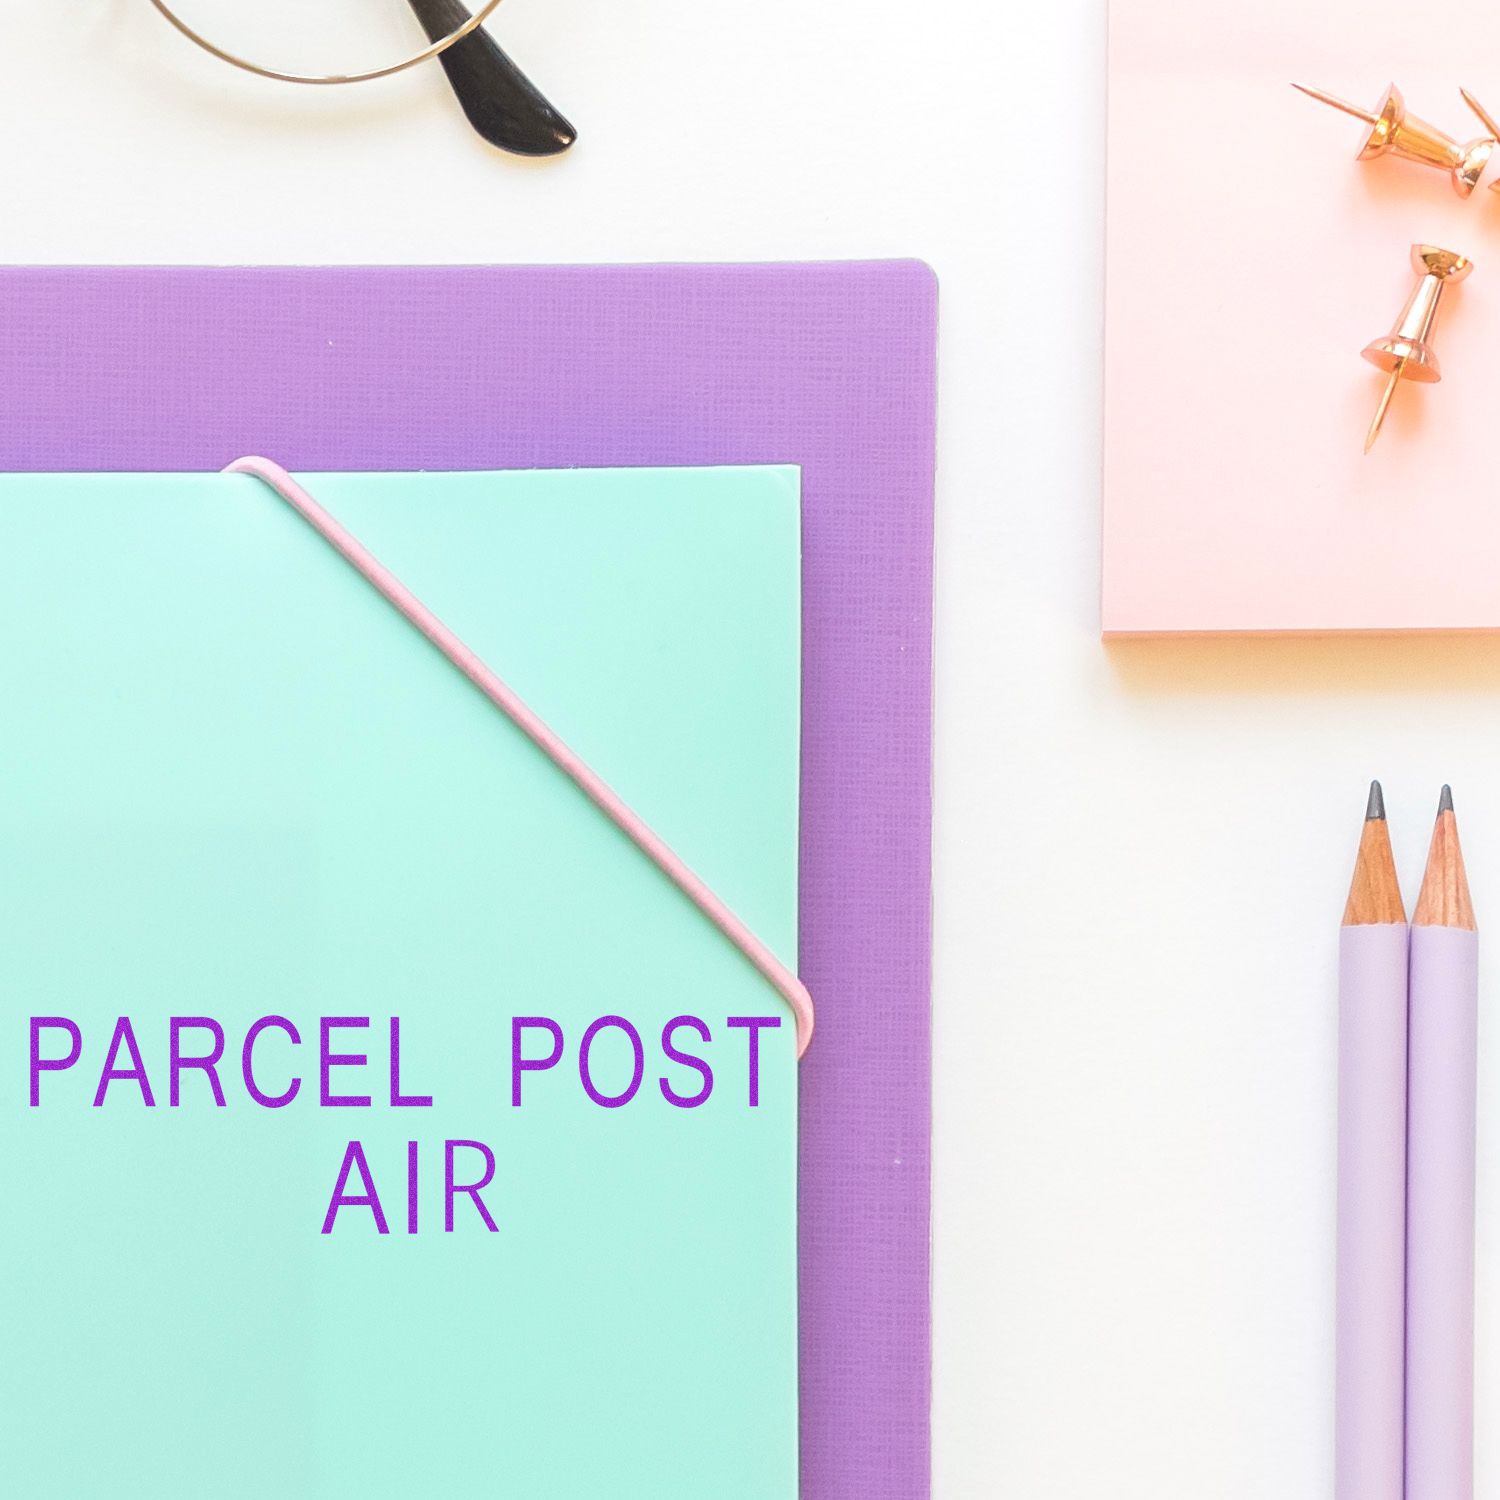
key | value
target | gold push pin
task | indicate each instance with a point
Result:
(1406, 352)
(1485, 119)
(1395, 131)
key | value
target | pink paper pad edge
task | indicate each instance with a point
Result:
(1250, 259)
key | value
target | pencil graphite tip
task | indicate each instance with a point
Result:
(1445, 801)
(1375, 808)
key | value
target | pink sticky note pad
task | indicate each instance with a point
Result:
(1250, 260)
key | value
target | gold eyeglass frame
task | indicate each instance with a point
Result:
(481, 14)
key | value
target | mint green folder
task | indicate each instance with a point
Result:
(238, 790)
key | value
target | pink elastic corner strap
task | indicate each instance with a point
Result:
(781, 979)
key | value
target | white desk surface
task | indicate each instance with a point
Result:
(1142, 852)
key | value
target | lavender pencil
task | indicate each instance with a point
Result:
(1372, 1173)
(1440, 1176)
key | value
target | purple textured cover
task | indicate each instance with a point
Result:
(1443, 1060)
(829, 366)
(1371, 1317)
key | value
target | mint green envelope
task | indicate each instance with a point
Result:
(236, 785)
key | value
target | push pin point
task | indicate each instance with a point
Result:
(1394, 130)
(1406, 352)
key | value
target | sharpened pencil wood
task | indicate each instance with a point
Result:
(1444, 899)
(1375, 892)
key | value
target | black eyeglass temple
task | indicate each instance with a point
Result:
(502, 103)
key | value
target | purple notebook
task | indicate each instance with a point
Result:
(828, 366)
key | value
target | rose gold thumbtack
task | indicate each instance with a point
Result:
(1394, 130)
(1406, 352)
(1485, 119)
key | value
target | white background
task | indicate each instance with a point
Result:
(1142, 851)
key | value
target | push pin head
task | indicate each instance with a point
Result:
(1394, 130)
(1405, 353)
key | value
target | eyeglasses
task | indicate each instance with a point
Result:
(357, 41)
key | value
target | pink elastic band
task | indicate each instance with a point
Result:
(781, 979)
